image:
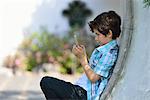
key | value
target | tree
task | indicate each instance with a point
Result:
(77, 14)
(147, 3)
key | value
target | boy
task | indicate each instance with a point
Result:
(98, 70)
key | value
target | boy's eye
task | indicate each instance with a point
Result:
(97, 34)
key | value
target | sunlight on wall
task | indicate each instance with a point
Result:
(14, 16)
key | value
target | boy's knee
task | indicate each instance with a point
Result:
(44, 81)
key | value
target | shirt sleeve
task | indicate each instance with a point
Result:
(104, 64)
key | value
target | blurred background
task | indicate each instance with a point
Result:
(36, 38)
(35, 32)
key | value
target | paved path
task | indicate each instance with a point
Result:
(25, 86)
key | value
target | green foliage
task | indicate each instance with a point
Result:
(68, 62)
(147, 3)
(45, 47)
(45, 41)
(40, 46)
(31, 63)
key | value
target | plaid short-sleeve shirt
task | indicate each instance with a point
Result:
(101, 62)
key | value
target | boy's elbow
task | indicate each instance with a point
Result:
(93, 79)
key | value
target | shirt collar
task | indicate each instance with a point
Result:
(108, 46)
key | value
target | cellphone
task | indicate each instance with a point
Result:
(75, 39)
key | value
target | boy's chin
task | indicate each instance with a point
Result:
(98, 44)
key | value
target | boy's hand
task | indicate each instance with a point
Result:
(80, 52)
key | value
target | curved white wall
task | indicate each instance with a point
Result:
(135, 82)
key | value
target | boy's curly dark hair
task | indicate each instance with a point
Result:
(107, 21)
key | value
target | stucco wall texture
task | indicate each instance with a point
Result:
(135, 80)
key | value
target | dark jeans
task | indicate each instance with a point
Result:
(55, 89)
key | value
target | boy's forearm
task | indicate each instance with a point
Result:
(84, 61)
(93, 77)
(88, 71)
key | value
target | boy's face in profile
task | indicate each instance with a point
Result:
(102, 39)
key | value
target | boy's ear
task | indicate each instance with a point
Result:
(110, 34)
